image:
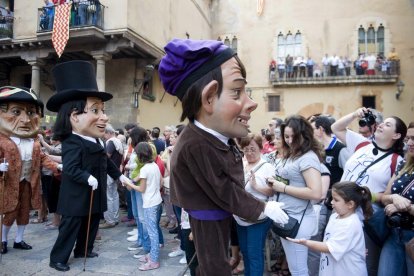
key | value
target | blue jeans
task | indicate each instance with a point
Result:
(152, 225)
(136, 199)
(82, 12)
(393, 260)
(252, 241)
(177, 212)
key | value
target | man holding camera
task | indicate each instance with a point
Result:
(369, 123)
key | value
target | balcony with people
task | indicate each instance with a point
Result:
(334, 70)
(84, 13)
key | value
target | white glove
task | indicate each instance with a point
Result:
(4, 167)
(60, 167)
(93, 182)
(274, 211)
(124, 180)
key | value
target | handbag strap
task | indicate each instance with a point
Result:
(256, 169)
(304, 211)
(373, 163)
(407, 189)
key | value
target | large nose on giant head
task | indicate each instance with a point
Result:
(251, 104)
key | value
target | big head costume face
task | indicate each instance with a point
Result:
(92, 121)
(79, 103)
(20, 112)
(228, 112)
(210, 81)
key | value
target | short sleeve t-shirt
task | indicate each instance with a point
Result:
(345, 240)
(292, 169)
(377, 176)
(152, 196)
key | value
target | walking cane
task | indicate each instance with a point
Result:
(191, 261)
(87, 231)
(2, 212)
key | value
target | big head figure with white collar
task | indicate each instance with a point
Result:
(79, 103)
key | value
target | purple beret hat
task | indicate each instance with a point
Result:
(188, 60)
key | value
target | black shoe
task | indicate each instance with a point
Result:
(173, 231)
(88, 255)
(21, 245)
(4, 247)
(59, 266)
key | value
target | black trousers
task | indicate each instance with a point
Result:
(189, 251)
(73, 230)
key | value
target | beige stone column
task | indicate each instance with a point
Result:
(101, 59)
(35, 85)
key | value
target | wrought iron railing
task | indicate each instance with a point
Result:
(6, 26)
(83, 14)
(352, 75)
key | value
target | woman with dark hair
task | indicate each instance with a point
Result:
(399, 206)
(371, 164)
(298, 182)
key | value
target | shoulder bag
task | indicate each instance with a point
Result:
(289, 229)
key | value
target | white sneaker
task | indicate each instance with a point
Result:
(183, 260)
(133, 238)
(133, 232)
(134, 247)
(176, 253)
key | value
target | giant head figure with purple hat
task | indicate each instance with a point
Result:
(209, 79)
(206, 173)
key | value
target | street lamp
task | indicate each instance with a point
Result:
(249, 92)
(400, 89)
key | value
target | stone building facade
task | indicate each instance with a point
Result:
(125, 40)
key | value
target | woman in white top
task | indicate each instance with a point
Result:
(371, 164)
(252, 234)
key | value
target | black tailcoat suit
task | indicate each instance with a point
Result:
(80, 158)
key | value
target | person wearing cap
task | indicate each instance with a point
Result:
(80, 124)
(21, 159)
(207, 178)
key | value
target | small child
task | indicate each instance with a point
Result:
(343, 247)
(149, 185)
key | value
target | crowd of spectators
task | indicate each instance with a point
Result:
(289, 67)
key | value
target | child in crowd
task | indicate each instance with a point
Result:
(149, 181)
(343, 247)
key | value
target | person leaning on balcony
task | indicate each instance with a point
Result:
(50, 13)
(394, 60)
(83, 11)
(309, 66)
(334, 65)
(326, 61)
(289, 66)
(302, 67)
(281, 67)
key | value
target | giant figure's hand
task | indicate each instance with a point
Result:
(274, 211)
(93, 182)
(4, 167)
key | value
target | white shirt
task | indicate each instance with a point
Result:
(345, 240)
(152, 196)
(377, 176)
(264, 172)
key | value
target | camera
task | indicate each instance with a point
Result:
(368, 119)
(403, 220)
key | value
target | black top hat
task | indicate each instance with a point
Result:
(74, 80)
